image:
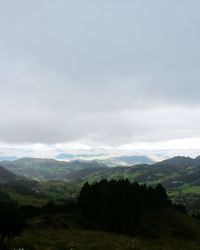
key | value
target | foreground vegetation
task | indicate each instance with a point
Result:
(73, 239)
(109, 215)
(52, 239)
(58, 180)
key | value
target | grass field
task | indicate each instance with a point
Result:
(24, 199)
(59, 190)
(167, 230)
(73, 239)
(94, 240)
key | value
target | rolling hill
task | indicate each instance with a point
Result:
(12, 182)
(6, 175)
(171, 172)
(47, 169)
(179, 175)
(167, 229)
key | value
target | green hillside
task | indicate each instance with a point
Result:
(62, 225)
(179, 175)
(14, 183)
(47, 169)
(25, 199)
(170, 231)
(59, 180)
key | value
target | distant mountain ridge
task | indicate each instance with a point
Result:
(124, 160)
(47, 169)
(16, 182)
(7, 158)
(180, 176)
(145, 172)
(51, 169)
(68, 157)
(181, 161)
(128, 160)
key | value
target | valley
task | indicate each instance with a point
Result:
(59, 180)
(47, 190)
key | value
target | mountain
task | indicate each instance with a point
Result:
(170, 172)
(6, 175)
(127, 160)
(180, 161)
(64, 156)
(69, 157)
(179, 175)
(7, 158)
(20, 184)
(47, 169)
(197, 160)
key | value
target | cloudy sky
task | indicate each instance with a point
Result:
(98, 75)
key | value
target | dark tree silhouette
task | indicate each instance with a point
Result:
(4, 197)
(12, 221)
(118, 205)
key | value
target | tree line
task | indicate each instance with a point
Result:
(118, 205)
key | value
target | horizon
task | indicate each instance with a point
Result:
(68, 157)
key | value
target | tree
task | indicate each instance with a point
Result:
(4, 197)
(118, 205)
(12, 221)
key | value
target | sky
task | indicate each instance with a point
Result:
(99, 76)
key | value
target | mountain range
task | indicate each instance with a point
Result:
(47, 169)
(123, 160)
(127, 160)
(180, 175)
(169, 172)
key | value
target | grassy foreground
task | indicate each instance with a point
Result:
(94, 240)
(73, 239)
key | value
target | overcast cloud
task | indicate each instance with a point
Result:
(99, 72)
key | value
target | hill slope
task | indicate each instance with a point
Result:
(47, 169)
(6, 175)
(170, 230)
(172, 172)
(179, 175)
(12, 182)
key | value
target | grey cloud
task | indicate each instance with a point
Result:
(107, 71)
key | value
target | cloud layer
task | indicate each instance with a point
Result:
(106, 72)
